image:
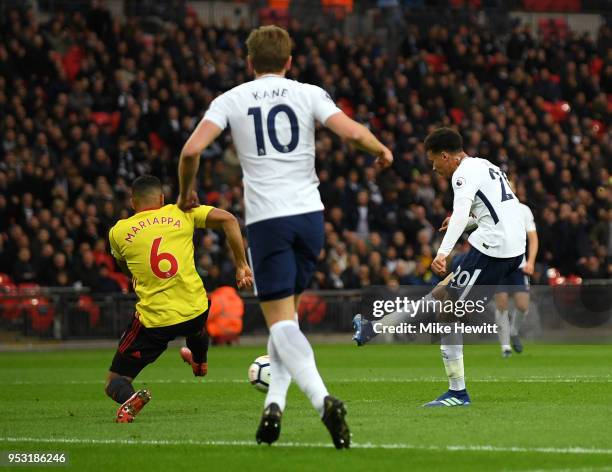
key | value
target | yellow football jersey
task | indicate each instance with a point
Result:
(158, 248)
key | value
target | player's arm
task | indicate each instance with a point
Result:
(124, 267)
(116, 253)
(456, 226)
(202, 137)
(471, 224)
(532, 245)
(221, 219)
(361, 137)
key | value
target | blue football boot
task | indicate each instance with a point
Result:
(451, 398)
(364, 331)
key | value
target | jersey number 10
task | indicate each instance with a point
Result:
(271, 125)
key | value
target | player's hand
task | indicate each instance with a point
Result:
(189, 202)
(384, 159)
(244, 276)
(528, 268)
(444, 226)
(439, 265)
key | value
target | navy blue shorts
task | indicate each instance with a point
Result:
(517, 281)
(284, 253)
(476, 275)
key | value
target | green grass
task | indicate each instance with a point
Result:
(527, 412)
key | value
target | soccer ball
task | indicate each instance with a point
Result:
(259, 373)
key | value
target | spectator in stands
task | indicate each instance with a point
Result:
(88, 104)
(104, 283)
(23, 269)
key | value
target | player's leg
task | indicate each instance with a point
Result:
(365, 329)
(277, 392)
(276, 398)
(118, 387)
(279, 271)
(124, 369)
(451, 349)
(197, 340)
(126, 365)
(297, 357)
(502, 320)
(294, 350)
(274, 269)
(521, 309)
(474, 279)
(274, 404)
(307, 248)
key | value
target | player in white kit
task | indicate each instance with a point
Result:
(517, 284)
(497, 245)
(272, 121)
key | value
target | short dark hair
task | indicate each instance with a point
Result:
(443, 139)
(146, 185)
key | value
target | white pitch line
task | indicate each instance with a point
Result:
(241, 443)
(535, 379)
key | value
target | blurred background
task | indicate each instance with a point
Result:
(96, 93)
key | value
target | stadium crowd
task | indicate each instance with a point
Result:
(88, 103)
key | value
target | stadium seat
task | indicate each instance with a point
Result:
(90, 308)
(72, 62)
(268, 16)
(312, 308)
(457, 114)
(40, 312)
(346, 106)
(103, 118)
(121, 279)
(156, 142)
(436, 62)
(5, 279)
(105, 259)
(10, 308)
(596, 66)
(598, 127)
(279, 4)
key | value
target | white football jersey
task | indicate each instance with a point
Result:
(528, 218)
(272, 121)
(500, 217)
(530, 226)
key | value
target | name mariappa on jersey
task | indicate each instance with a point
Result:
(142, 224)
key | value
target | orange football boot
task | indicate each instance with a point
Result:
(199, 370)
(132, 406)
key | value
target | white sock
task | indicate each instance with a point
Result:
(279, 381)
(408, 316)
(296, 355)
(452, 355)
(517, 320)
(503, 328)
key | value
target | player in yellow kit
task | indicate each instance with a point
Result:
(155, 247)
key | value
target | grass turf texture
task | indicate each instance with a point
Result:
(528, 412)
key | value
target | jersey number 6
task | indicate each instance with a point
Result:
(156, 257)
(271, 122)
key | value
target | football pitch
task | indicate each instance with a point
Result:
(546, 409)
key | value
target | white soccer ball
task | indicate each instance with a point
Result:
(259, 373)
